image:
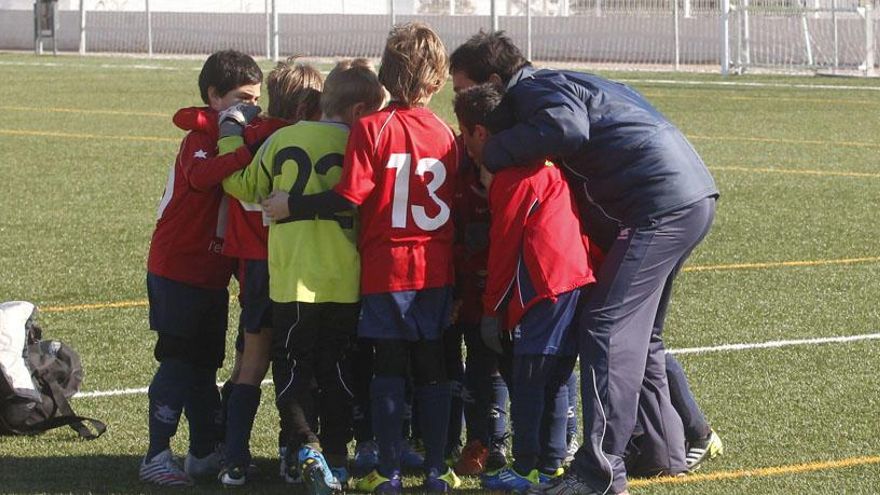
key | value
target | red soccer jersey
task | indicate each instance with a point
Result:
(536, 247)
(400, 166)
(471, 213)
(188, 240)
(246, 236)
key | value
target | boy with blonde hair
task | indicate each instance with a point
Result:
(314, 274)
(399, 168)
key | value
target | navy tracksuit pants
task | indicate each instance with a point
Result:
(623, 361)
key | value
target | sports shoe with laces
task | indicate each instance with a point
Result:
(207, 467)
(473, 459)
(509, 480)
(376, 483)
(366, 458)
(570, 484)
(548, 477)
(572, 449)
(702, 450)
(162, 470)
(288, 468)
(441, 483)
(316, 473)
(233, 476)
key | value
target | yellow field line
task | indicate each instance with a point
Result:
(780, 264)
(795, 171)
(857, 144)
(698, 268)
(70, 135)
(759, 472)
(86, 111)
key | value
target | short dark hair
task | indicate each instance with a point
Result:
(485, 54)
(227, 70)
(483, 105)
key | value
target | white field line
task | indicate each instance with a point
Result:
(668, 82)
(744, 84)
(686, 350)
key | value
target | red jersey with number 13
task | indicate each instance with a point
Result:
(400, 166)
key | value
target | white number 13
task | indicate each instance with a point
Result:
(402, 163)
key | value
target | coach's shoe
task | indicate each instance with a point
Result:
(366, 458)
(376, 483)
(473, 459)
(570, 484)
(316, 473)
(702, 450)
(207, 467)
(162, 470)
(509, 480)
(436, 482)
(233, 476)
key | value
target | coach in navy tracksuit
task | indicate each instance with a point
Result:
(647, 198)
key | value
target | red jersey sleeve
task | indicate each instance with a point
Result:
(358, 169)
(510, 200)
(201, 166)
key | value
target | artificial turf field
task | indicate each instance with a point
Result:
(794, 256)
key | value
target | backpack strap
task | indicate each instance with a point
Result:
(66, 416)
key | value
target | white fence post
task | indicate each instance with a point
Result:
(870, 71)
(268, 29)
(275, 55)
(725, 37)
(528, 29)
(149, 30)
(391, 11)
(747, 43)
(82, 27)
(494, 12)
(835, 33)
(676, 35)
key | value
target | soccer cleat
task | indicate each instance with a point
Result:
(233, 476)
(366, 458)
(441, 483)
(473, 459)
(316, 473)
(376, 483)
(548, 477)
(508, 480)
(497, 460)
(573, 447)
(288, 468)
(570, 484)
(702, 450)
(162, 470)
(410, 457)
(207, 467)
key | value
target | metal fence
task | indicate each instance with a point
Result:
(725, 34)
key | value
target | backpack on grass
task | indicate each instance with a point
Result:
(37, 378)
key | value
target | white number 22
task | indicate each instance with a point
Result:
(402, 163)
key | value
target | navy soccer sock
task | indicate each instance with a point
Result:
(434, 402)
(204, 413)
(168, 391)
(244, 400)
(388, 404)
(571, 429)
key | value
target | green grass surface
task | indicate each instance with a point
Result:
(85, 146)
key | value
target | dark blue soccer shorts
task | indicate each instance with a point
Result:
(406, 315)
(191, 321)
(547, 328)
(256, 307)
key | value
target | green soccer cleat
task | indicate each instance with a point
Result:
(702, 450)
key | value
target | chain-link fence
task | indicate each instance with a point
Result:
(775, 34)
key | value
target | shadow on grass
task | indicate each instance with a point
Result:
(82, 474)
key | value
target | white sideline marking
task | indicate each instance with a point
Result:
(673, 82)
(776, 343)
(686, 350)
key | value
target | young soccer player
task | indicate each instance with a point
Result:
(539, 263)
(187, 275)
(314, 275)
(294, 92)
(399, 167)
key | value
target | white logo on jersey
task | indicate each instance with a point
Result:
(200, 154)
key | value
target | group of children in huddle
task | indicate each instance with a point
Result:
(367, 243)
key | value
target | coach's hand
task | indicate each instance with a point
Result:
(233, 119)
(490, 332)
